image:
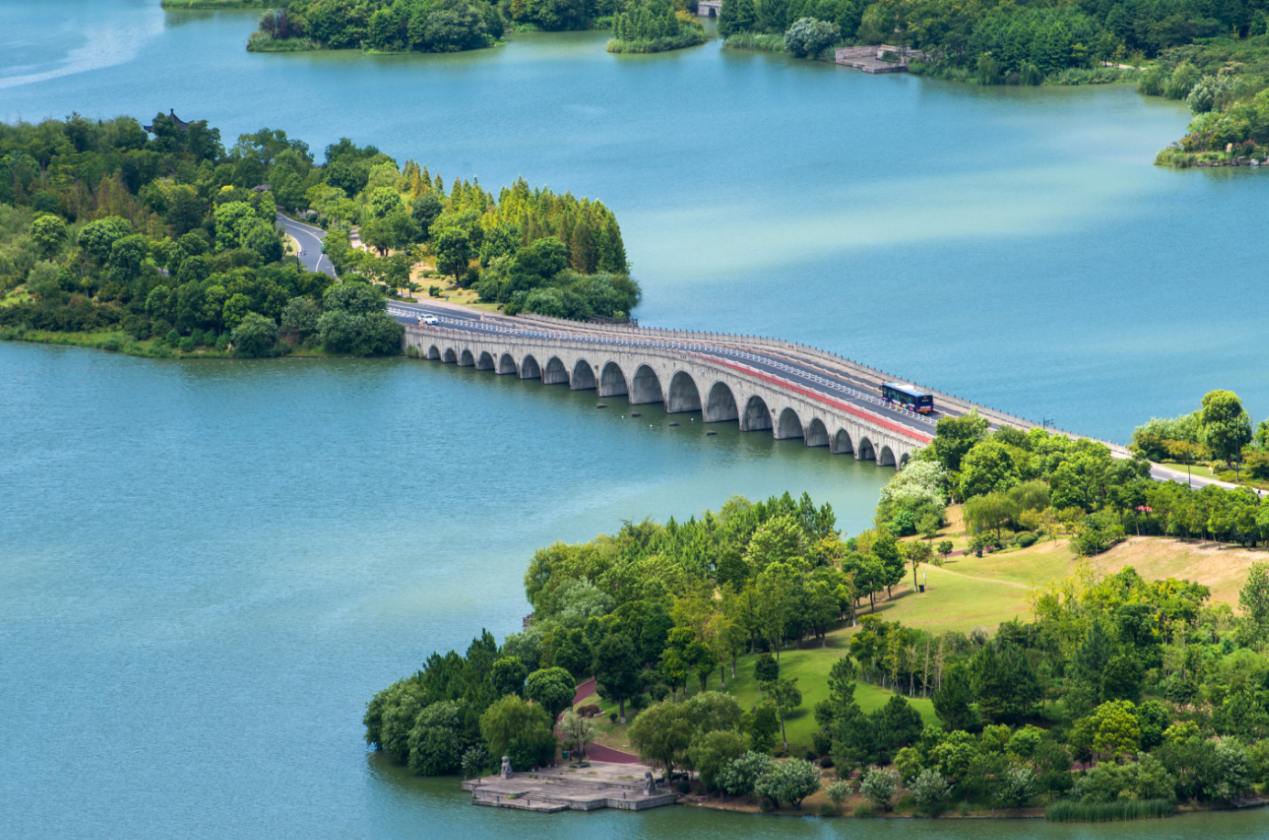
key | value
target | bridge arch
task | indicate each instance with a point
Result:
(646, 387)
(756, 416)
(450, 356)
(865, 452)
(583, 378)
(433, 353)
(789, 426)
(466, 359)
(555, 373)
(506, 364)
(721, 404)
(841, 444)
(684, 395)
(485, 361)
(903, 461)
(885, 458)
(612, 382)
(816, 433)
(529, 368)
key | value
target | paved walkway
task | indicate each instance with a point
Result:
(598, 752)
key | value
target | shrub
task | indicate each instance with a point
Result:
(931, 791)
(1025, 539)
(684, 787)
(879, 786)
(809, 37)
(173, 338)
(112, 344)
(863, 811)
(222, 343)
(187, 344)
(826, 762)
(612, 717)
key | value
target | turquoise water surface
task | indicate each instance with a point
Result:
(207, 568)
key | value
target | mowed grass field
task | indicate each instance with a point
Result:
(969, 592)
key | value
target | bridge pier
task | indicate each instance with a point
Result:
(756, 417)
(683, 382)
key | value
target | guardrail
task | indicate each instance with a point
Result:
(565, 340)
(688, 346)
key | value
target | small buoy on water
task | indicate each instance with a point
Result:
(674, 424)
(635, 414)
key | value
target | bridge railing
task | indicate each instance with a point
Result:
(665, 350)
(691, 346)
(1000, 417)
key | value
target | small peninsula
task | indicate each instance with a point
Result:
(157, 240)
(1031, 627)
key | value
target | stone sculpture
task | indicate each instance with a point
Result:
(506, 767)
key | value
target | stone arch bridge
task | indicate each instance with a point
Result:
(683, 380)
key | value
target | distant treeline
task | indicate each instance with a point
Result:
(418, 25)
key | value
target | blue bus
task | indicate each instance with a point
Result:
(896, 393)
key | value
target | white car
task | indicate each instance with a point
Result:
(430, 320)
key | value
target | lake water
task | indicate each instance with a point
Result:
(206, 569)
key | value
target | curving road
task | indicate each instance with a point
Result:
(310, 240)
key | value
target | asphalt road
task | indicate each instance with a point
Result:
(310, 239)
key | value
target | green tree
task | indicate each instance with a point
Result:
(737, 778)
(425, 211)
(511, 719)
(1224, 425)
(785, 695)
(436, 740)
(737, 16)
(616, 670)
(809, 37)
(255, 336)
(49, 235)
(1253, 599)
(578, 731)
(711, 752)
(956, 436)
(508, 675)
(661, 733)
(879, 787)
(952, 699)
(761, 725)
(551, 688)
(790, 781)
(931, 791)
(452, 248)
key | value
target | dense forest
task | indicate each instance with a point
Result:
(1122, 697)
(419, 25)
(164, 240)
(648, 26)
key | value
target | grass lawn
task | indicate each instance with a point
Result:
(969, 592)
